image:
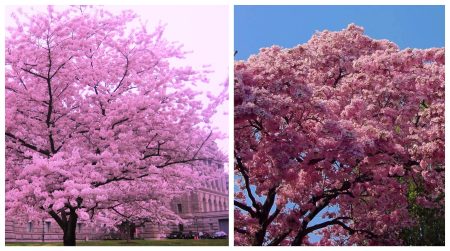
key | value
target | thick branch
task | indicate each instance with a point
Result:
(273, 216)
(48, 121)
(169, 163)
(265, 220)
(58, 219)
(34, 74)
(28, 145)
(97, 184)
(315, 161)
(119, 122)
(241, 231)
(280, 238)
(329, 223)
(245, 208)
(339, 77)
(243, 171)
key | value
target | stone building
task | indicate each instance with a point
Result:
(204, 210)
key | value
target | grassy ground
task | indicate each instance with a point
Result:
(219, 242)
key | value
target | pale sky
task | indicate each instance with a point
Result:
(202, 29)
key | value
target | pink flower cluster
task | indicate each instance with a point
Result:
(342, 121)
(100, 125)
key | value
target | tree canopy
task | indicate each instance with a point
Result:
(343, 121)
(100, 124)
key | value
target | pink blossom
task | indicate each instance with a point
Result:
(344, 114)
(100, 123)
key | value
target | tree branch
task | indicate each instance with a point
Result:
(34, 74)
(241, 231)
(61, 66)
(29, 146)
(329, 223)
(201, 146)
(339, 77)
(58, 219)
(119, 122)
(243, 171)
(97, 184)
(124, 75)
(280, 238)
(245, 208)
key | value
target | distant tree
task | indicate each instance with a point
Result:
(342, 121)
(429, 225)
(100, 126)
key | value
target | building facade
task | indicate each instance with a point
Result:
(203, 210)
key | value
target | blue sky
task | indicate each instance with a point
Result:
(408, 26)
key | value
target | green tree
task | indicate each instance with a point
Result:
(429, 229)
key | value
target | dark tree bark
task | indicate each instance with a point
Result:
(261, 211)
(68, 224)
(70, 237)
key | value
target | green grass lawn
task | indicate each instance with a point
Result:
(218, 242)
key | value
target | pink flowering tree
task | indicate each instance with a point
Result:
(332, 136)
(100, 126)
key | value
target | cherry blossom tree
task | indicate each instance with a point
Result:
(331, 135)
(100, 126)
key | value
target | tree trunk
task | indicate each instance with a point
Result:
(259, 237)
(128, 231)
(67, 224)
(298, 240)
(70, 237)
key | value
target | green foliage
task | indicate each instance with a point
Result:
(430, 223)
(423, 105)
